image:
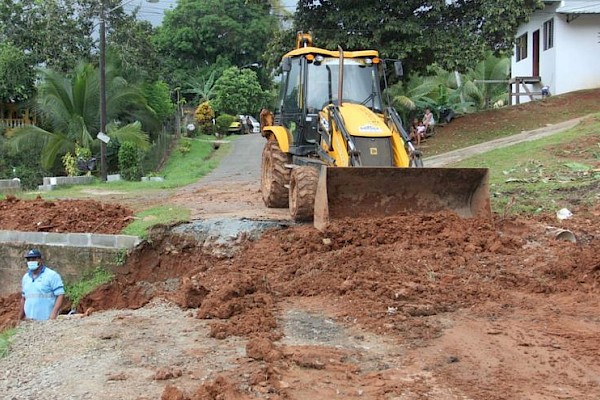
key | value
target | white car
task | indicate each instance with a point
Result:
(255, 123)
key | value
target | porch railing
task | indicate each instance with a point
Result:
(11, 123)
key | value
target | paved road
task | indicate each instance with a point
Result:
(242, 162)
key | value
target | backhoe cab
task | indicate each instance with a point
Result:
(336, 150)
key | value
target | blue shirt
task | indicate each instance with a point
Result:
(40, 293)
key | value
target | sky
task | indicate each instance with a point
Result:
(152, 12)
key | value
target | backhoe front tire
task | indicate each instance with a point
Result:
(274, 176)
(303, 188)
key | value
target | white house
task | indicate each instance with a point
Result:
(559, 47)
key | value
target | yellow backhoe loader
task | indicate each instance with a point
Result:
(336, 151)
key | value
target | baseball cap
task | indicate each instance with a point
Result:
(33, 253)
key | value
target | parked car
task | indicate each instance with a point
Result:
(255, 124)
(235, 127)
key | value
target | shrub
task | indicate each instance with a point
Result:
(159, 99)
(204, 116)
(23, 164)
(130, 162)
(70, 163)
(223, 122)
(185, 146)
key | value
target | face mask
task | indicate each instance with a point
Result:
(32, 265)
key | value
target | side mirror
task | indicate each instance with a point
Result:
(398, 68)
(286, 64)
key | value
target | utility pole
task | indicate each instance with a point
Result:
(102, 68)
(104, 139)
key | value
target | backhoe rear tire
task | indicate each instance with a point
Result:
(274, 175)
(303, 188)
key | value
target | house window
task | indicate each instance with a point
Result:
(521, 47)
(549, 34)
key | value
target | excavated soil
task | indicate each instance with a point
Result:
(76, 216)
(410, 307)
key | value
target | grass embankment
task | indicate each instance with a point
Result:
(484, 126)
(562, 170)
(77, 290)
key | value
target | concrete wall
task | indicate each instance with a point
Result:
(10, 186)
(51, 183)
(71, 254)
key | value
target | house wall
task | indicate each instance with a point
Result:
(547, 64)
(572, 63)
(578, 53)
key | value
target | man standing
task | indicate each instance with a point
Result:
(42, 289)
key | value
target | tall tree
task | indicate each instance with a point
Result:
(453, 34)
(131, 41)
(56, 33)
(238, 92)
(197, 32)
(16, 75)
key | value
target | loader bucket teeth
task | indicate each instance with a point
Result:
(365, 192)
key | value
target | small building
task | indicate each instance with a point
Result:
(14, 115)
(558, 50)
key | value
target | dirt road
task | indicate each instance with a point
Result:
(233, 189)
(410, 307)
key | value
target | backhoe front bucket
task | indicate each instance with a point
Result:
(364, 192)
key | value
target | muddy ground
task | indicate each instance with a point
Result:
(410, 307)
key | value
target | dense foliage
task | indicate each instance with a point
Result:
(454, 35)
(213, 35)
(56, 33)
(68, 108)
(16, 76)
(238, 92)
(23, 164)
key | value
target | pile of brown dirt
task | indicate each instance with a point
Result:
(400, 277)
(75, 216)
(423, 282)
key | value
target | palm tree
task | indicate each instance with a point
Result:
(486, 95)
(69, 109)
(413, 95)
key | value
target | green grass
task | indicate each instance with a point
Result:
(180, 170)
(77, 290)
(153, 216)
(5, 338)
(544, 175)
